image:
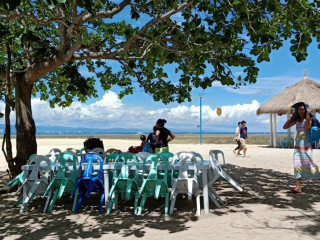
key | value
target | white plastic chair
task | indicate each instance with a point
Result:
(186, 181)
(142, 155)
(53, 153)
(36, 183)
(216, 173)
(222, 162)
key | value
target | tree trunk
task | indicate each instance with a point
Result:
(25, 126)
(7, 135)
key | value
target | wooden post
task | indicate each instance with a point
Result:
(274, 130)
(271, 131)
(289, 129)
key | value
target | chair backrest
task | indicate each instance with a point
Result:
(80, 152)
(215, 154)
(99, 151)
(143, 155)
(111, 157)
(53, 153)
(198, 156)
(215, 166)
(182, 159)
(112, 150)
(125, 159)
(167, 155)
(153, 172)
(86, 169)
(65, 166)
(40, 172)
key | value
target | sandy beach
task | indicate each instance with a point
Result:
(263, 211)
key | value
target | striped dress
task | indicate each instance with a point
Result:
(304, 166)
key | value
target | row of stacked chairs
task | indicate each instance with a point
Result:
(84, 178)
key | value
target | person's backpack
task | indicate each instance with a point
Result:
(313, 135)
(92, 143)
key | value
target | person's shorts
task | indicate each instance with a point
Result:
(160, 150)
(243, 144)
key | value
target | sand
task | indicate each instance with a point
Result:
(263, 211)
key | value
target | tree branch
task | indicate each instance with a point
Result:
(107, 14)
(14, 15)
(132, 39)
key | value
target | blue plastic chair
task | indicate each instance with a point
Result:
(89, 180)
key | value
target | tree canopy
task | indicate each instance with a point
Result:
(204, 41)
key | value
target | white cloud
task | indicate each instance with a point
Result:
(266, 85)
(110, 112)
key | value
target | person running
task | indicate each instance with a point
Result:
(163, 136)
(304, 166)
(237, 137)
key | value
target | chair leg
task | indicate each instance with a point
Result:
(136, 198)
(101, 202)
(53, 201)
(80, 199)
(112, 200)
(198, 204)
(173, 202)
(18, 202)
(29, 195)
(143, 201)
(166, 205)
(212, 194)
(75, 200)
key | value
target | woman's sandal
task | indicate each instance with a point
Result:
(294, 191)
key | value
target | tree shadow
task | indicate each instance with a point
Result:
(269, 187)
(262, 186)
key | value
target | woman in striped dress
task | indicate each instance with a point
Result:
(304, 166)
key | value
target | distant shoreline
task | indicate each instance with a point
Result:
(255, 139)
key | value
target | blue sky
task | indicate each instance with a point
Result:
(140, 111)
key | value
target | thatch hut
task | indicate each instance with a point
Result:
(306, 90)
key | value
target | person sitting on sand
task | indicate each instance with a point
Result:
(138, 149)
(152, 139)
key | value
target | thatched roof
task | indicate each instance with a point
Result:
(306, 90)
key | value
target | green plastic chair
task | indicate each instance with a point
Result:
(167, 156)
(155, 184)
(111, 157)
(65, 178)
(81, 152)
(123, 181)
(19, 178)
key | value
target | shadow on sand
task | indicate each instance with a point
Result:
(262, 186)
